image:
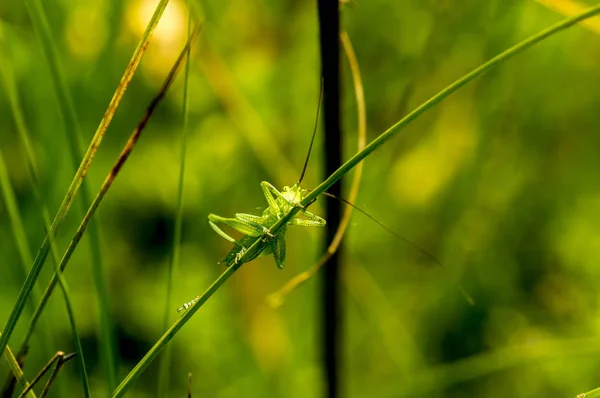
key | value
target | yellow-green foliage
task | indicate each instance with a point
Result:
(499, 182)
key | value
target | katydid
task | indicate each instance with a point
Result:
(279, 203)
(253, 226)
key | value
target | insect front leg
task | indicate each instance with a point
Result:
(269, 190)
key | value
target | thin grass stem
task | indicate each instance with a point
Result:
(64, 359)
(128, 148)
(172, 331)
(16, 370)
(70, 123)
(260, 242)
(74, 187)
(595, 393)
(164, 374)
(60, 359)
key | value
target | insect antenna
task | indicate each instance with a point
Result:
(462, 290)
(402, 238)
(312, 139)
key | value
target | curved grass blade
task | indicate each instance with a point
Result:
(75, 184)
(172, 331)
(60, 358)
(25, 255)
(569, 8)
(24, 249)
(12, 93)
(14, 367)
(163, 378)
(114, 172)
(18, 230)
(71, 125)
(430, 103)
(595, 393)
(443, 94)
(277, 298)
(259, 243)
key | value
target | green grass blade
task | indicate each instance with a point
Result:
(113, 174)
(107, 344)
(18, 230)
(108, 182)
(259, 242)
(24, 253)
(171, 332)
(21, 238)
(26, 256)
(595, 393)
(164, 374)
(16, 370)
(22, 247)
(71, 125)
(76, 183)
(446, 92)
(80, 359)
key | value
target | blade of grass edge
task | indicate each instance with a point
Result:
(430, 103)
(19, 229)
(72, 129)
(569, 8)
(73, 132)
(75, 184)
(13, 97)
(14, 367)
(259, 242)
(164, 375)
(172, 331)
(595, 393)
(121, 160)
(16, 222)
(441, 95)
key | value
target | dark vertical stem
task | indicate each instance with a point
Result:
(329, 27)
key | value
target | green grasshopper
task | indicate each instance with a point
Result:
(280, 203)
(253, 226)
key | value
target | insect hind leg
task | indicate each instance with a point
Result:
(256, 222)
(250, 228)
(222, 233)
(309, 220)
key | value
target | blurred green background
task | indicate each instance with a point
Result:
(499, 182)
